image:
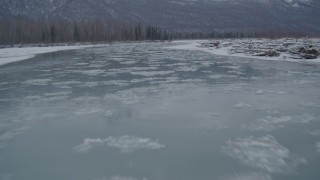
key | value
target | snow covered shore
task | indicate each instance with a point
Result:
(294, 50)
(9, 55)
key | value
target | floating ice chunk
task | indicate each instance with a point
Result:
(6, 176)
(318, 146)
(248, 176)
(309, 104)
(130, 69)
(152, 73)
(264, 153)
(91, 72)
(116, 83)
(86, 111)
(38, 82)
(96, 65)
(271, 123)
(81, 64)
(121, 178)
(315, 132)
(9, 135)
(125, 97)
(127, 62)
(58, 93)
(4, 83)
(241, 105)
(259, 92)
(33, 97)
(216, 76)
(87, 98)
(12, 134)
(64, 83)
(126, 144)
(187, 69)
(91, 111)
(90, 84)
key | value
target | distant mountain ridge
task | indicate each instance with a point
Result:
(182, 15)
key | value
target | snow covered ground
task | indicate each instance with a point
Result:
(244, 48)
(9, 55)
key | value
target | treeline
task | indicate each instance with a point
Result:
(23, 31)
(19, 30)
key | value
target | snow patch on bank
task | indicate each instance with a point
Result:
(9, 55)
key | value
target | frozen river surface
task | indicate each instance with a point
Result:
(144, 112)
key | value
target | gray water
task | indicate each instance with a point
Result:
(143, 112)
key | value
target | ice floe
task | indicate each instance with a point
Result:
(264, 153)
(318, 146)
(152, 73)
(37, 82)
(6, 176)
(9, 135)
(270, 123)
(241, 105)
(90, 111)
(126, 144)
(293, 50)
(120, 178)
(248, 176)
(314, 132)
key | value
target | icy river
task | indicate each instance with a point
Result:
(145, 112)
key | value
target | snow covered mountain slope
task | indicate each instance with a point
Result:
(186, 15)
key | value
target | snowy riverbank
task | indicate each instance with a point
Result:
(9, 55)
(265, 49)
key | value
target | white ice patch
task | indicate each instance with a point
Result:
(130, 96)
(116, 83)
(152, 73)
(87, 98)
(248, 176)
(264, 153)
(121, 178)
(314, 133)
(219, 76)
(66, 83)
(187, 69)
(9, 55)
(9, 135)
(93, 72)
(258, 92)
(91, 111)
(62, 93)
(271, 123)
(318, 146)
(81, 64)
(126, 144)
(309, 104)
(6, 176)
(241, 105)
(37, 82)
(127, 62)
(90, 84)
